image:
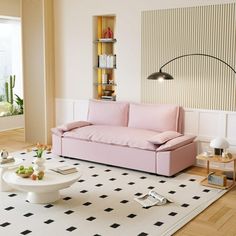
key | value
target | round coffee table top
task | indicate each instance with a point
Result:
(51, 181)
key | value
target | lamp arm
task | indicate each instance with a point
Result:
(198, 54)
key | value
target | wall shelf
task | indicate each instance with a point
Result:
(108, 40)
(104, 84)
(104, 57)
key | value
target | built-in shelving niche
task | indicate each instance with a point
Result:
(104, 57)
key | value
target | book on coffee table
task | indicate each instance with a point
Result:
(65, 170)
(7, 160)
(152, 198)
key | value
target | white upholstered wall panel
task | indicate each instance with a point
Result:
(68, 110)
(64, 111)
(200, 82)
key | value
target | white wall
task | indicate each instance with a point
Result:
(73, 43)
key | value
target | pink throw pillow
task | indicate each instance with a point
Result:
(157, 117)
(72, 125)
(176, 143)
(108, 113)
(163, 137)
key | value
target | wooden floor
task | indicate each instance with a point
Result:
(218, 219)
(13, 140)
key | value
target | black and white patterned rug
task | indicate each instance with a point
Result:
(102, 203)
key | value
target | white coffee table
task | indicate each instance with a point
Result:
(3, 168)
(41, 191)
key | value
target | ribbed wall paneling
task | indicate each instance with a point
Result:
(199, 82)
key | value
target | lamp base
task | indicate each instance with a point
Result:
(218, 151)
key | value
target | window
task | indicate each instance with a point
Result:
(11, 86)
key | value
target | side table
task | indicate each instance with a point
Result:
(3, 168)
(218, 159)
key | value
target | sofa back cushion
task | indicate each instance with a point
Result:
(157, 117)
(108, 113)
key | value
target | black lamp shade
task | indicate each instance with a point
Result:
(160, 76)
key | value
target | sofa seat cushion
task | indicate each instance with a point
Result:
(123, 136)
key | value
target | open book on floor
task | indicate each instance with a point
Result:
(65, 170)
(152, 198)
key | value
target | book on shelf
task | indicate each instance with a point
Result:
(152, 198)
(65, 170)
(107, 61)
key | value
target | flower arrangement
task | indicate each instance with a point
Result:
(41, 148)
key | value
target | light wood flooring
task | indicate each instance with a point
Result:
(13, 140)
(218, 219)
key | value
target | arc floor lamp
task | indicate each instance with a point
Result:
(219, 143)
(165, 76)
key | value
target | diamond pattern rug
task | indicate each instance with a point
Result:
(102, 203)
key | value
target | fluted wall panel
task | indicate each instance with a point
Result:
(199, 82)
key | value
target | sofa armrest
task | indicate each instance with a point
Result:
(176, 143)
(69, 126)
(57, 131)
(73, 125)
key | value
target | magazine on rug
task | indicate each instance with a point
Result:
(152, 198)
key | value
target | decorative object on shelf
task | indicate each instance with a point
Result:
(108, 33)
(104, 78)
(108, 92)
(219, 144)
(217, 179)
(160, 76)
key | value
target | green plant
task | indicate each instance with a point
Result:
(2, 98)
(40, 149)
(19, 101)
(9, 89)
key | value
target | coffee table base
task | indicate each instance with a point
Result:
(48, 197)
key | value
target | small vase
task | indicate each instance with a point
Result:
(39, 164)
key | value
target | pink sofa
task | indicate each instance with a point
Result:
(144, 137)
